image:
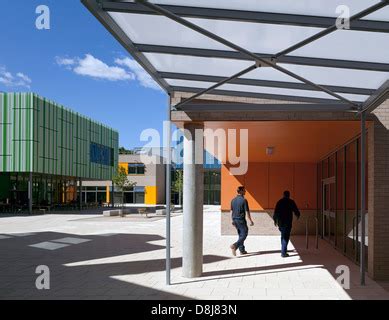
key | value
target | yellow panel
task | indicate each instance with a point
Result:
(124, 165)
(151, 195)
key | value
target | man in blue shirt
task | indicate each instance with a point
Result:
(239, 209)
(283, 218)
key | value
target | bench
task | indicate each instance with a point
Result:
(112, 213)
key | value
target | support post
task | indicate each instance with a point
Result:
(30, 193)
(192, 257)
(363, 196)
(168, 195)
(80, 194)
(113, 195)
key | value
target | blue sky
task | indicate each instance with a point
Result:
(79, 64)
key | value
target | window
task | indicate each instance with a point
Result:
(101, 154)
(136, 168)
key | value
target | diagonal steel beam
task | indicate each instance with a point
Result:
(268, 96)
(217, 85)
(225, 54)
(246, 16)
(247, 107)
(332, 29)
(376, 99)
(231, 45)
(264, 83)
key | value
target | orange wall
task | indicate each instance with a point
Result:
(265, 183)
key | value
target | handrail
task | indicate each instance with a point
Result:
(307, 231)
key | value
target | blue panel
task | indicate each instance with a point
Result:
(101, 154)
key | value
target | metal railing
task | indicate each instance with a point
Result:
(307, 231)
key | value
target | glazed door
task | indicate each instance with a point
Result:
(328, 209)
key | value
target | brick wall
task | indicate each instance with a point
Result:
(378, 205)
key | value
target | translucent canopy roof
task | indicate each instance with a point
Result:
(296, 48)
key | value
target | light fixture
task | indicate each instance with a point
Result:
(270, 151)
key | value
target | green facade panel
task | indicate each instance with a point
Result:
(40, 136)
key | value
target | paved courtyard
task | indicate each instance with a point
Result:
(91, 257)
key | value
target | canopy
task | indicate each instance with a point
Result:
(276, 49)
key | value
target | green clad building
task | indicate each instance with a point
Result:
(46, 150)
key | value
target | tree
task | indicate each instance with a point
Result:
(123, 150)
(178, 184)
(122, 182)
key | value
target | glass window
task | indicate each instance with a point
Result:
(351, 197)
(101, 154)
(139, 197)
(136, 168)
(139, 189)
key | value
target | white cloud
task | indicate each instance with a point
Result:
(90, 66)
(95, 68)
(24, 77)
(10, 80)
(141, 75)
(64, 61)
(124, 70)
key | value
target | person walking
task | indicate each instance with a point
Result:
(239, 210)
(283, 218)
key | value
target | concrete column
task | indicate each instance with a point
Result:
(193, 193)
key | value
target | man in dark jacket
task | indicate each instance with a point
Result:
(239, 209)
(283, 218)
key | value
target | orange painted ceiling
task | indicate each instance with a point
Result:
(293, 141)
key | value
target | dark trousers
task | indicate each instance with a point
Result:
(285, 236)
(243, 230)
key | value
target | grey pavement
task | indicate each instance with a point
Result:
(90, 257)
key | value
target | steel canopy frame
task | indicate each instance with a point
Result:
(243, 51)
(247, 16)
(140, 8)
(265, 83)
(307, 61)
(94, 6)
(177, 12)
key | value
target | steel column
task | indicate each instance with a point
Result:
(80, 194)
(112, 195)
(30, 193)
(168, 195)
(363, 195)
